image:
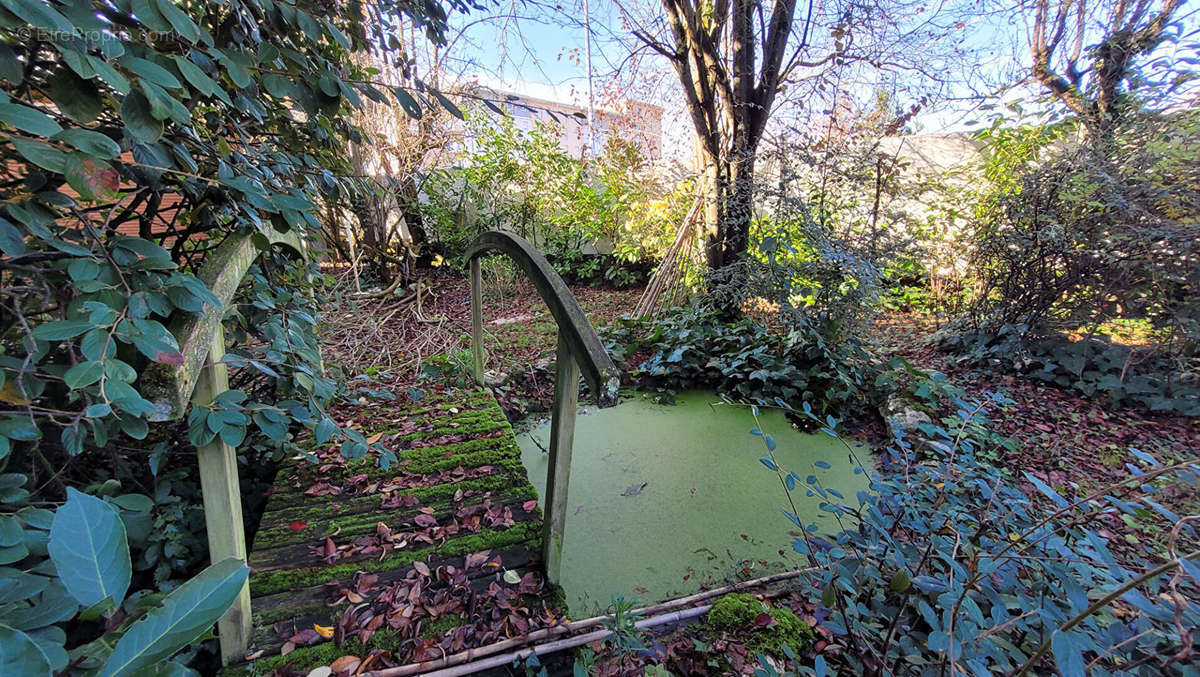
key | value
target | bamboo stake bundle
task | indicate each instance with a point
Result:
(481, 658)
(667, 278)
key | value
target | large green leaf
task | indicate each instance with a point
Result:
(185, 614)
(40, 15)
(84, 374)
(89, 549)
(77, 98)
(28, 119)
(92, 143)
(179, 19)
(43, 155)
(446, 103)
(20, 655)
(135, 112)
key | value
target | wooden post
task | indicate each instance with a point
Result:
(223, 503)
(477, 319)
(558, 474)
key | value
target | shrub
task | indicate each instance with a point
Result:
(788, 324)
(1093, 367)
(698, 347)
(1079, 230)
(946, 564)
(600, 220)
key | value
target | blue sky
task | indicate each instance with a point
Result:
(546, 50)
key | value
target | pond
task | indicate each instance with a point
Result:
(668, 499)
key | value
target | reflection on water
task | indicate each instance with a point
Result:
(665, 500)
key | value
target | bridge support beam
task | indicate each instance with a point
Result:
(222, 496)
(558, 473)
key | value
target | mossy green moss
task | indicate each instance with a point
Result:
(433, 629)
(278, 518)
(484, 425)
(309, 657)
(470, 454)
(287, 579)
(736, 614)
(265, 619)
(361, 523)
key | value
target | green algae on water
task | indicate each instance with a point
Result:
(665, 500)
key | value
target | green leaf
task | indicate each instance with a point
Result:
(137, 428)
(40, 15)
(28, 119)
(148, 13)
(195, 76)
(325, 430)
(151, 71)
(12, 242)
(179, 19)
(446, 103)
(92, 143)
(407, 102)
(97, 410)
(17, 585)
(277, 85)
(92, 179)
(20, 655)
(90, 550)
(59, 330)
(54, 606)
(162, 104)
(110, 75)
(83, 269)
(135, 112)
(77, 98)
(84, 374)
(185, 614)
(1068, 655)
(10, 66)
(43, 155)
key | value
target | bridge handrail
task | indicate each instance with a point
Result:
(579, 348)
(170, 387)
(598, 369)
(201, 378)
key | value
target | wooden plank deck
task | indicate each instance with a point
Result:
(438, 553)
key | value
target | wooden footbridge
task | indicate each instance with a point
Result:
(437, 553)
(377, 567)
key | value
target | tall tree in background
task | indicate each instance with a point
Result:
(715, 49)
(1084, 51)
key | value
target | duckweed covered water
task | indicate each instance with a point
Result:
(665, 500)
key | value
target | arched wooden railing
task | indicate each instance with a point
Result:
(196, 382)
(579, 350)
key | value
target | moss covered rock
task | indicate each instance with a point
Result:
(764, 627)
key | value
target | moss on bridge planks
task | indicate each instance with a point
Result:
(455, 450)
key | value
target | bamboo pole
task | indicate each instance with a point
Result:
(479, 653)
(223, 503)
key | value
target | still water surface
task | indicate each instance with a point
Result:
(665, 499)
